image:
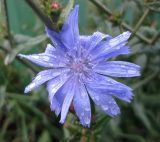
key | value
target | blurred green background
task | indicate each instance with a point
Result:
(28, 118)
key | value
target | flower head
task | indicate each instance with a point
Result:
(79, 67)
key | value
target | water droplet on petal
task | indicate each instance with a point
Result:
(82, 114)
(46, 58)
(32, 85)
(114, 111)
(50, 64)
(83, 94)
(36, 57)
(110, 102)
(97, 98)
(87, 120)
(87, 109)
(122, 66)
(105, 107)
(131, 71)
(115, 102)
(118, 47)
(38, 77)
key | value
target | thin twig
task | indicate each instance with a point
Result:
(102, 7)
(123, 24)
(7, 23)
(140, 36)
(46, 20)
(9, 50)
(145, 81)
(154, 10)
(27, 64)
(140, 21)
(155, 38)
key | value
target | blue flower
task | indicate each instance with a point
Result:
(78, 68)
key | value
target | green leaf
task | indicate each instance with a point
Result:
(133, 137)
(152, 100)
(24, 130)
(45, 137)
(140, 113)
(2, 96)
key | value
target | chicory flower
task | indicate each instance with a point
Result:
(79, 67)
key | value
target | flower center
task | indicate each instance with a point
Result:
(78, 66)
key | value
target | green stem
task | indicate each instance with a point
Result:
(7, 23)
(140, 36)
(102, 7)
(145, 81)
(139, 23)
(123, 24)
(46, 20)
(155, 38)
(27, 64)
(9, 50)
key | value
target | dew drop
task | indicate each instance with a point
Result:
(131, 71)
(122, 66)
(93, 98)
(97, 98)
(110, 102)
(114, 111)
(86, 120)
(32, 85)
(118, 47)
(38, 77)
(36, 57)
(87, 109)
(46, 58)
(113, 42)
(115, 102)
(83, 94)
(105, 107)
(82, 114)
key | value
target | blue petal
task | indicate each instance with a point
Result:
(110, 48)
(95, 39)
(50, 49)
(70, 32)
(55, 106)
(70, 90)
(56, 53)
(84, 40)
(123, 50)
(119, 39)
(53, 87)
(81, 104)
(118, 69)
(55, 38)
(105, 51)
(42, 77)
(44, 60)
(106, 102)
(109, 86)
